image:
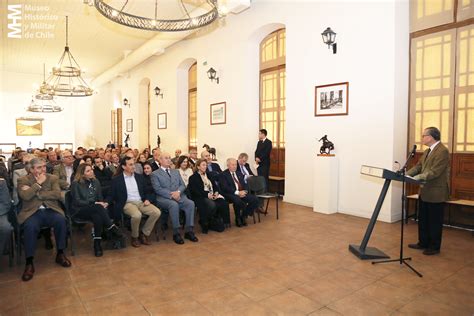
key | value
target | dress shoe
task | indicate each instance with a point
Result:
(135, 242)
(178, 239)
(191, 236)
(144, 240)
(238, 223)
(62, 260)
(98, 248)
(416, 246)
(430, 251)
(205, 229)
(28, 273)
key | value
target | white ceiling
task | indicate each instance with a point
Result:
(95, 42)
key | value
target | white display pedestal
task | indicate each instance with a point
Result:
(326, 180)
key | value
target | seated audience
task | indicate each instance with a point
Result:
(128, 194)
(193, 158)
(155, 160)
(40, 194)
(169, 188)
(234, 189)
(19, 173)
(87, 160)
(243, 167)
(5, 206)
(114, 162)
(107, 158)
(138, 166)
(177, 153)
(78, 155)
(183, 167)
(52, 161)
(213, 168)
(213, 208)
(149, 191)
(89, 204)
(65, 170)
(142, 158)
(103, 174)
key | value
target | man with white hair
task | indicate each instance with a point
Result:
(169, 188)
(235, 189)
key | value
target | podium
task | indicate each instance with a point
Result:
(362, 251)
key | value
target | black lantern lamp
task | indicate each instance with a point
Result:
(158, 92)
(126, 103)
(212, 74)
(329, 38)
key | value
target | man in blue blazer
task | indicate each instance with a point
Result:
(235, 190)
(213, 168)
(169, 188)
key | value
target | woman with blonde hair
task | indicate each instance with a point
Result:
(88, 204)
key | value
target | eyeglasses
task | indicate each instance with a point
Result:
(425, 135)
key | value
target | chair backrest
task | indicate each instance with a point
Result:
(68, 203)
(256, 184)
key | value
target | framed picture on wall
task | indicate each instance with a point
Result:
(332, 99)
(7, 148)
(62, 146)
(218, 113)
(130, 125)
(162, 121)
(29, 127)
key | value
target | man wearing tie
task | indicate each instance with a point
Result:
(169, 188)
(243, 167)
(433, 168)
(262, 155)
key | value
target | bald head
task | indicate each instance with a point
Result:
(165, 160)
(232, 164)
(206, 156)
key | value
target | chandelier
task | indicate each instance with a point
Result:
(43, 102)
(65, 79)
(124, 16)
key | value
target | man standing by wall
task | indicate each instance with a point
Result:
(262, 155)
(433, 168)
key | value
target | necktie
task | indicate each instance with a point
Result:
(428, 153)
(237, 181)
(168, 172)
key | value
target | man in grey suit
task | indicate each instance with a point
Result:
(169, 188)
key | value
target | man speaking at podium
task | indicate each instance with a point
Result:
(432, 168)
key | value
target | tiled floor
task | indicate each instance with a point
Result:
(299, 265)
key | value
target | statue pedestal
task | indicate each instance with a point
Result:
(326, 182)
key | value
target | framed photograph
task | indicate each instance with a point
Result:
(130, 125)
(162, 121)
(7, 148)
(332, 99)
(29, 127)
(62, 146)
(218, 113)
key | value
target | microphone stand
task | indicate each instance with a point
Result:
(402, 260)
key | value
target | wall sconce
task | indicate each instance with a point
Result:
(158, 92)
(329, 38)
(212, 74)
(126, 103)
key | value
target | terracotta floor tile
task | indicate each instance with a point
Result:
(391, 296)
(71, 310)
(259, 288)
(122, 303)
(187, 306)
(325, 311)
(50, 299)
(252, 309)
(290, 303)
(425, 305)
(96, 288)
(222, 301)
(324, 290)
(356, 304)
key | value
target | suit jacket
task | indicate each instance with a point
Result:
(247, 167)
(60, 172)
(154, 165)
(164, 184)
(216, 171)
(263, 152)
(86, 193)
(48, 194)
(434, 169)
(227, 184)
(196, 186)
(118, 192)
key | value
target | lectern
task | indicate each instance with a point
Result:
(362, 251)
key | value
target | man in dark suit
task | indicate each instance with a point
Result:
(262, 155)
(213, 168)
(433, 168)
(154, 161)
(243, 167)
(127, 191)
(169, 188)
(235, 190)
(40, 195)
(192, 158)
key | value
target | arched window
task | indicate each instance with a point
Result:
(272, 96)
(192, 107)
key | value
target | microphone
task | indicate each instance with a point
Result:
(413, 151)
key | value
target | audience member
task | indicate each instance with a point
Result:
(128, 194)
(114, 163)
(213, 168)
(234, 189)
(104, 175)
(19, 173)
(88, 203)
(213, 208)
(182, 165)
(40, 194)
(5, 206)
(52, 162)
(65, 170)
(193, 158)
(169, 188)
(243, 167)
(155, 160)
(177, 154)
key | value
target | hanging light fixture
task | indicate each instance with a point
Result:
(43, 102)
(124, 16)
(65, 79)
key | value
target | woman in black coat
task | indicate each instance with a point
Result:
(213, 208)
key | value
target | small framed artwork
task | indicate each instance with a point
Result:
(218, 113)
(29, 127)
(130, 125)
(7, 148)
(332, 99)
(162, 121)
